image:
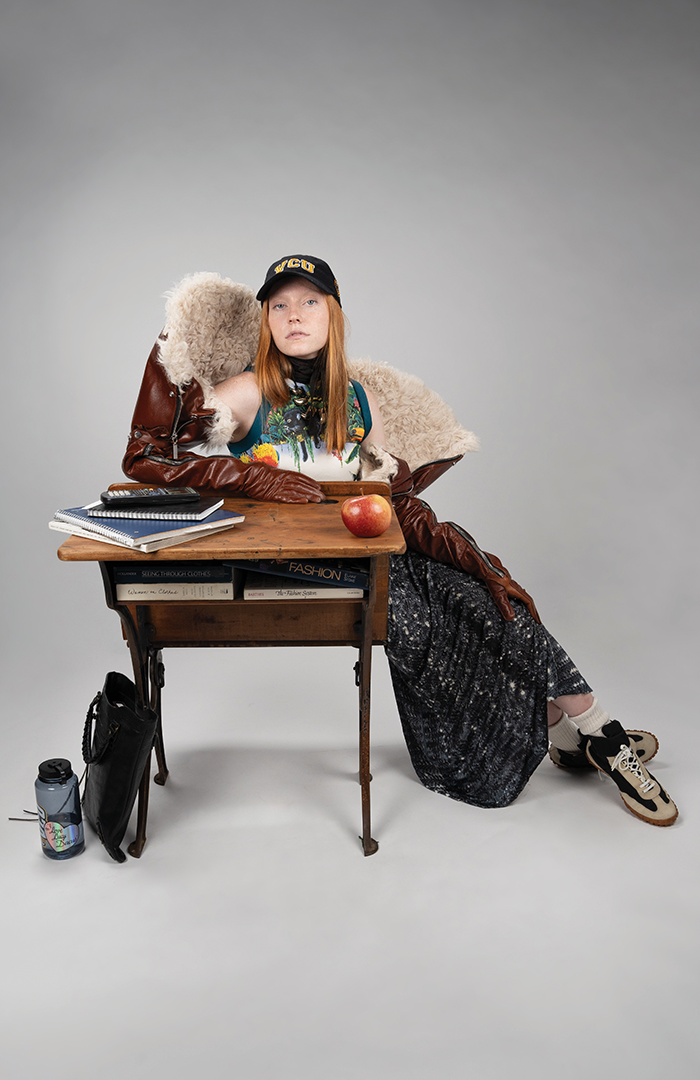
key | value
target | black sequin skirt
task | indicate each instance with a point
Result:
(471, 688)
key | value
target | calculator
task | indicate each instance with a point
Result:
(125, 497)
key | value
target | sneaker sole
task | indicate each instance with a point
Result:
(652, 821)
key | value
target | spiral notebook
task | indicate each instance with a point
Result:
(137, 534)
(189, 511)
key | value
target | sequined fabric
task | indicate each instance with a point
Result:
(471, 688)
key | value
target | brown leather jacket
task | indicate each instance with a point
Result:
(168, 420)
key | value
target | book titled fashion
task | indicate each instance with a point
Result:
(268, 587)
(336, 572)
(140, 535)
(189, 511)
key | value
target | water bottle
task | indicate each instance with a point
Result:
(58, 806)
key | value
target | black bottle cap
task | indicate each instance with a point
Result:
(57, 770)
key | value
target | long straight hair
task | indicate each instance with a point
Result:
(272, 369)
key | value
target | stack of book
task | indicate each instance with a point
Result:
(146, 528)
(137, 582)
(303, 579)
(141, 581)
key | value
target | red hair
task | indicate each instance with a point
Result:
(272, 369)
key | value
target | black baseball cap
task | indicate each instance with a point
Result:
(304, 266)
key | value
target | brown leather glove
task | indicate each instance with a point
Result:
(254, 479)
(451, 544)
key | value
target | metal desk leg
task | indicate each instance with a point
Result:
(369, 845)
(139, 842)
(156, 670)
(157, 674)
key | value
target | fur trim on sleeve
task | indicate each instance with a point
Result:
(377, 464)
(420, 427)
(211, 333)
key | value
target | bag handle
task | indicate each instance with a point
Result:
(90, 757)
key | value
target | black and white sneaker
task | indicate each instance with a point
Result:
(641, 792)
(644, 744)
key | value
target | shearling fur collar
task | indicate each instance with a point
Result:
(212, 327)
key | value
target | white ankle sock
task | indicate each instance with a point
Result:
(592, 720)
(565, 735)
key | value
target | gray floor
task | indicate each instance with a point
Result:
(253, 939)
(507, 191)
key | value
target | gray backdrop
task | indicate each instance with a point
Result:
(507, 191)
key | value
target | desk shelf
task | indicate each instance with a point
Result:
(190, 623)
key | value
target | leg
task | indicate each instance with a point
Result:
(573, 719)
(157, 671)
(369, 845)
(571, 704)
(138, 843)
(144, 661)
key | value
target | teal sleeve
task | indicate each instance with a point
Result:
(364, 407)
(238, 448)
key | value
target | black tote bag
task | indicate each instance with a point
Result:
(117, 741)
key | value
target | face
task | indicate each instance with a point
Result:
(298, 316)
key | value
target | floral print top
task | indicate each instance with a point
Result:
(281, 437)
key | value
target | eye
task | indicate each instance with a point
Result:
(311, 301)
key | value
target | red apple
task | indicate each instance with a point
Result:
(366, 515)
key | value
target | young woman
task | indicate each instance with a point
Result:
(482, 688)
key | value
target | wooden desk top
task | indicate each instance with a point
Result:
(271, 530)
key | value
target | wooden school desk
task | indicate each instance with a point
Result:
(270, 531)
